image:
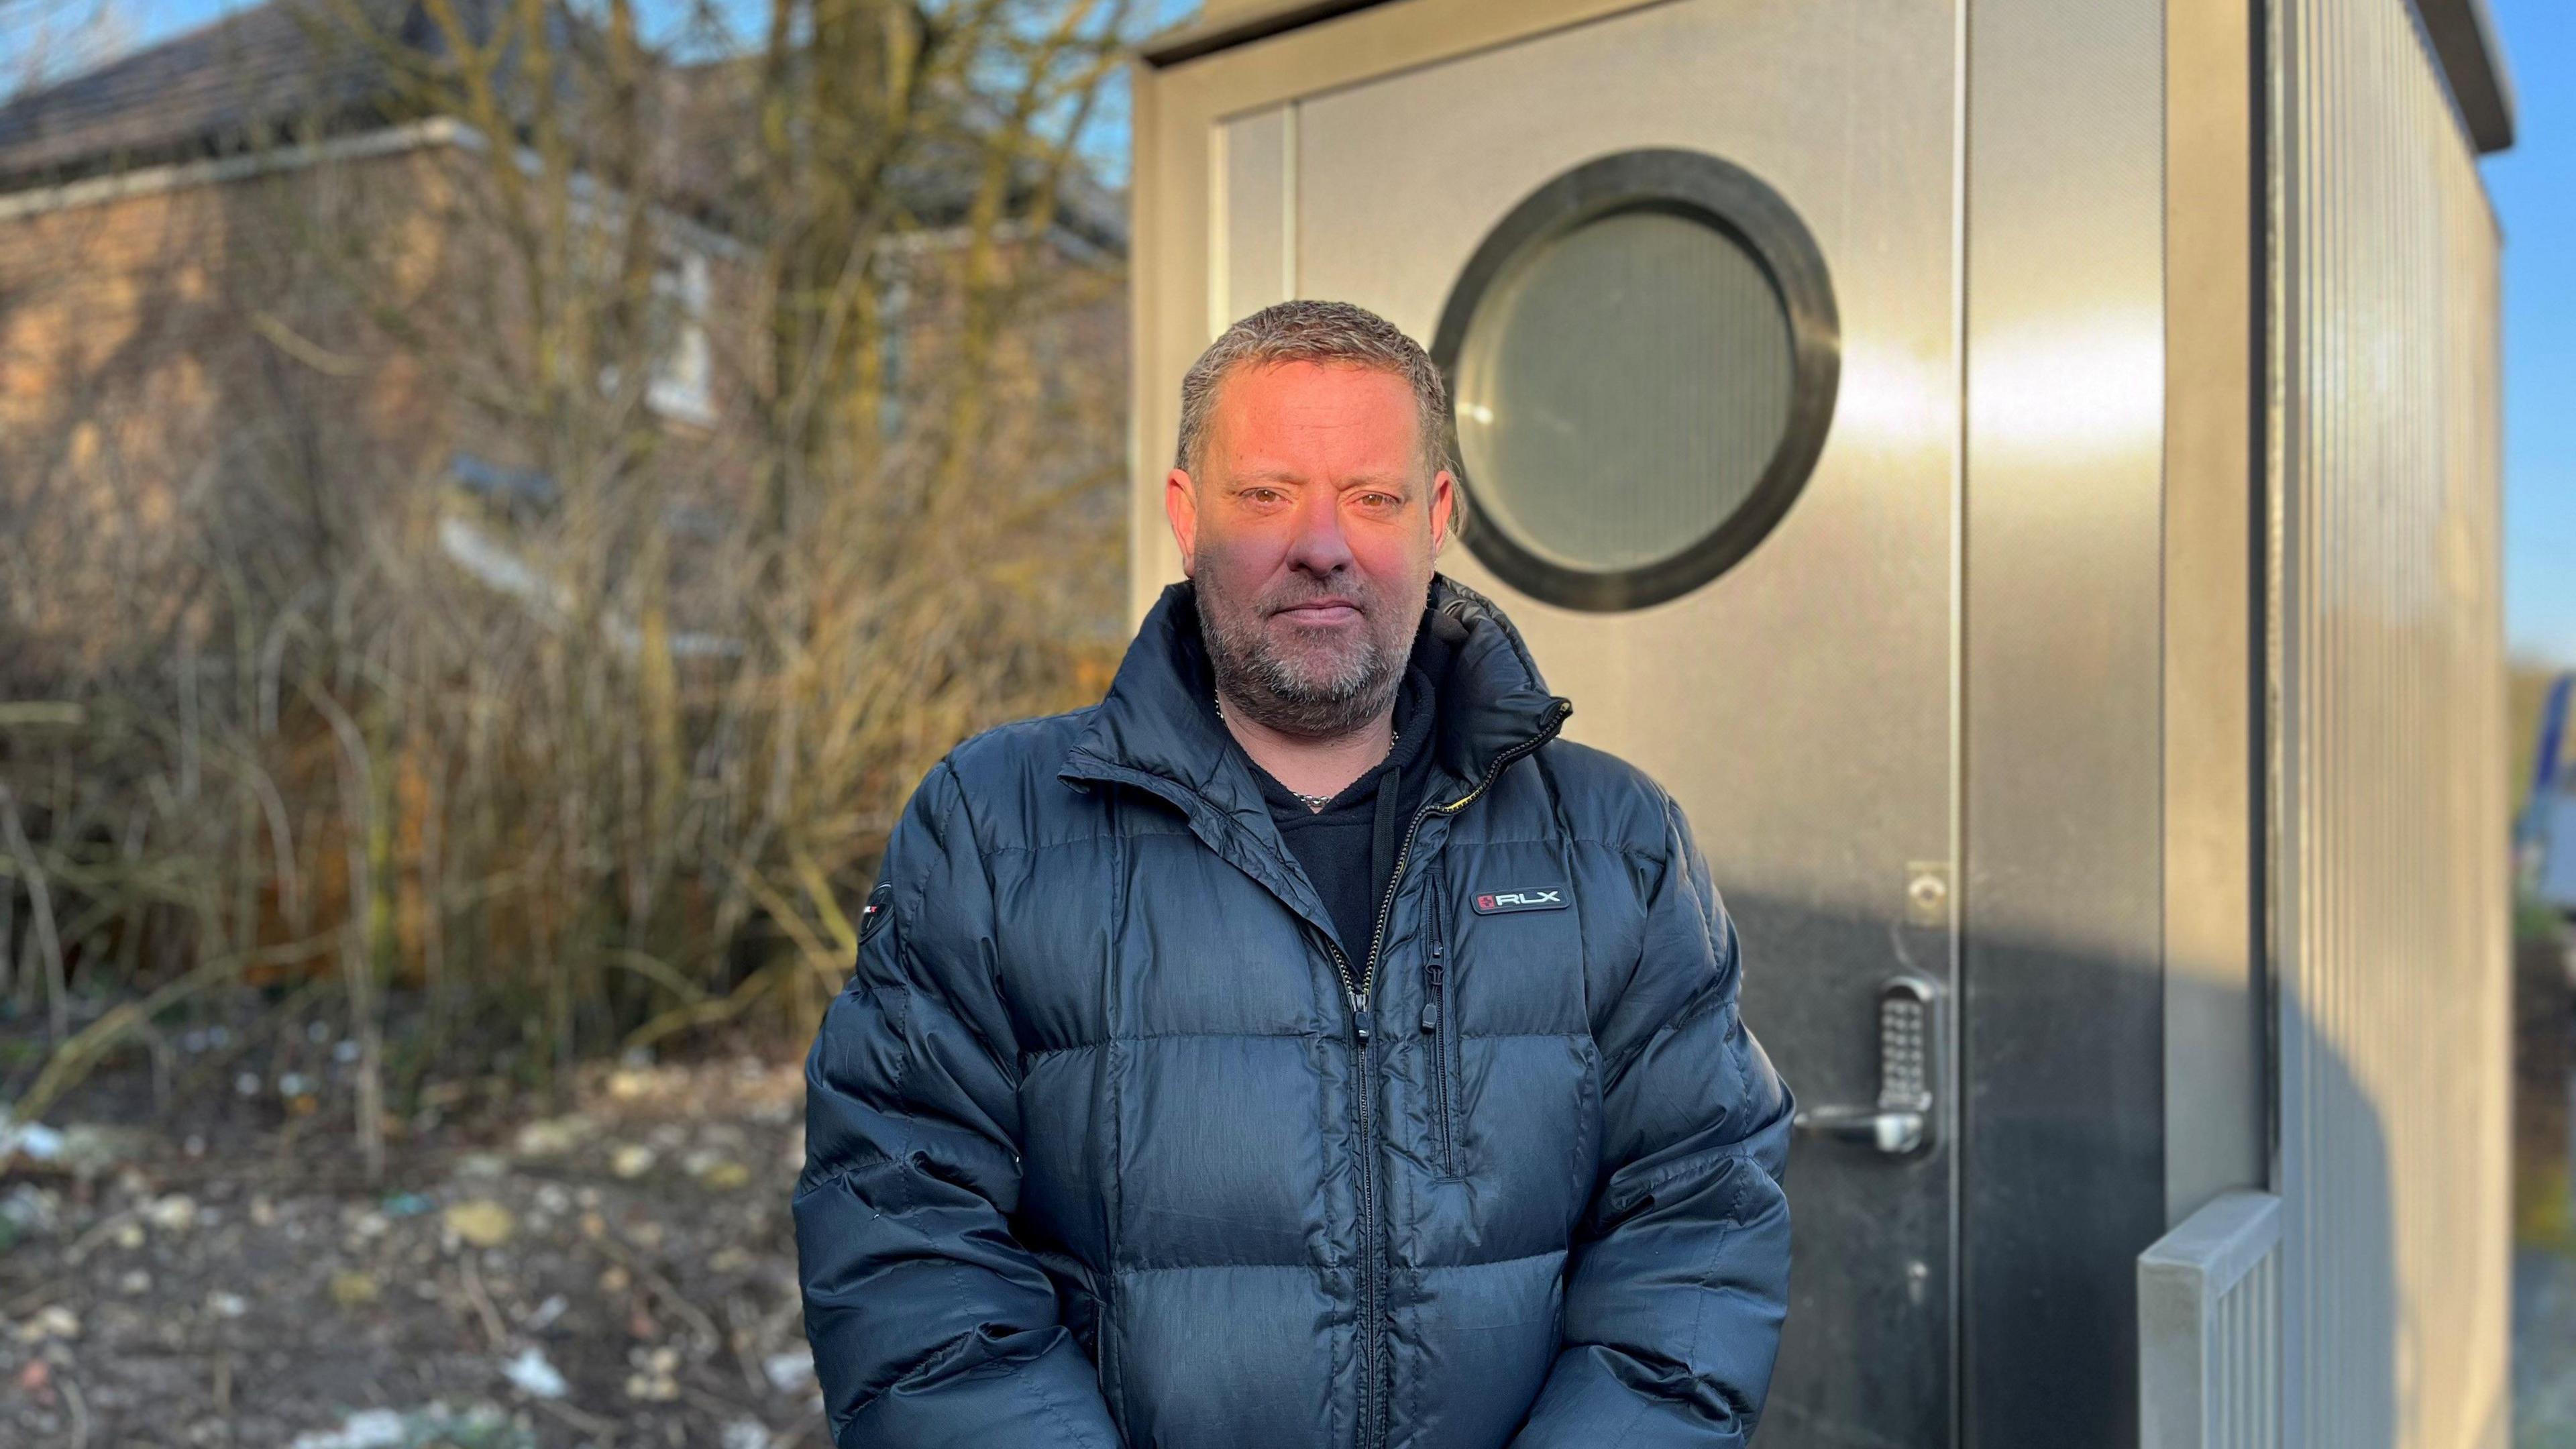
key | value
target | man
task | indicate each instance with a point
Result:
(1304, 1045)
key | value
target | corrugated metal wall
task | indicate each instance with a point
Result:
(2209, 1329)
(2243, 1406)
(2390, 888)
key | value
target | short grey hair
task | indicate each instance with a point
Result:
(1324, 332)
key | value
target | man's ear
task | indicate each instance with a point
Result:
(1444, 503)
(1181, 507)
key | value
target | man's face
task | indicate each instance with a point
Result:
(1310, 533)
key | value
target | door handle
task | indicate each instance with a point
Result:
(1901, 1122)
(1895, 1133)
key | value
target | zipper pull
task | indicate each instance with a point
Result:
(1365, 1022)
(1430, 1016)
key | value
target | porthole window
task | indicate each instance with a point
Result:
(1641, 362)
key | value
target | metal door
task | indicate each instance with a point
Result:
(1793, 682)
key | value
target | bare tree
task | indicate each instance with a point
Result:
(604, 510)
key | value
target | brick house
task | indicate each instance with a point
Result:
(248, 276)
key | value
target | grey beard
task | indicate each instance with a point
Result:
(1259, 684)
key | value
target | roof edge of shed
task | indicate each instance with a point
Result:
(2461, 32)
(2463, 36)
(1241, 24)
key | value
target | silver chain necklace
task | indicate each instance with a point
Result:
(1314, 803)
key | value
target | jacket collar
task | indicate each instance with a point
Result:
(1155, 727)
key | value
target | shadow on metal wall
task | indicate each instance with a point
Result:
(2061, 1183)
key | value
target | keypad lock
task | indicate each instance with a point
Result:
(1901, 1122)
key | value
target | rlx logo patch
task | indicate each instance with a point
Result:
(1495, 903)
(879, 910)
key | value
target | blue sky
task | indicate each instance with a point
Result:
(2534, 187)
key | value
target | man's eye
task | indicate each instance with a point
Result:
(1378, 500)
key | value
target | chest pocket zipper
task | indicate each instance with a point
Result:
(1440, 1027)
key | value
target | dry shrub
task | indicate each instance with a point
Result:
(386, 643)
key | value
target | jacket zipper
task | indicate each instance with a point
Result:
(1363, 1026)
(1362, 1073)
(1435, 1015)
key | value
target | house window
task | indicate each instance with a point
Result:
(683, 370)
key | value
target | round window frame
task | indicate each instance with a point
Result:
(1738, 205)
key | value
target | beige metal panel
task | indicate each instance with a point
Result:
(1750, 682)
(1252, 218)
(2390, 909)
(2064, 710)
(1177, 113)
(1153, 420)
(2215, 1113)
(2066, 376)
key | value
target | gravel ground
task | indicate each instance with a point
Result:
(621, 1274)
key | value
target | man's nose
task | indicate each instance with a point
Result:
(1318, 545)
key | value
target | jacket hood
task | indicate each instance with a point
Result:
(1154, 721)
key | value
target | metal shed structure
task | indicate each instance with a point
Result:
(2025, 475)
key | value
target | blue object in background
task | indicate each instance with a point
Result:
(2546, 839)
(2553, 732)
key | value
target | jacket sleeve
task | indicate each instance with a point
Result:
(1679, 1277)
(931, 1325)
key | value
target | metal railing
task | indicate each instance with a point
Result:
(2209, 1329)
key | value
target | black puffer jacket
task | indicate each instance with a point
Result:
(1107, 1143)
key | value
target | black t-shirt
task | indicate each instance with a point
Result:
(1348, 847)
